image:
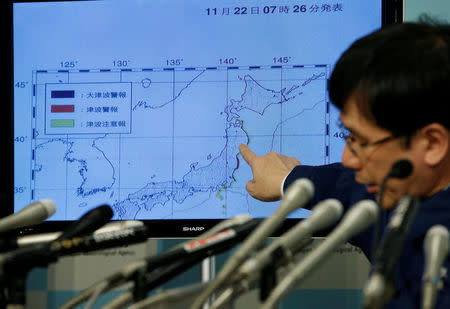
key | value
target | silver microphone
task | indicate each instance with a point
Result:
(297, 195)
(324, 214)
(356, 220)
(124, 274)
(436, 247)
(32, 214)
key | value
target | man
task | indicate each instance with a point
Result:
(392, 89)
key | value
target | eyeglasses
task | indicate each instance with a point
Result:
(357, 148)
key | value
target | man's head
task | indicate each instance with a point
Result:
(392, 88)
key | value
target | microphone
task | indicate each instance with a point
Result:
(119, 225)
(378, 289)
(400, 169)
(16, 264)
(89, 222)
(24, 241)
(323, 215)
(40, 255)
(436, 247)
(297, 195)
(158, 277)
(32, 214)
(225, 224)
(122, 276)
(356, 220)
(145, 280)
(282, 249)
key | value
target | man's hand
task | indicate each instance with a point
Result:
(268, 173)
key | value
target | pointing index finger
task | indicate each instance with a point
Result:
(247, 153)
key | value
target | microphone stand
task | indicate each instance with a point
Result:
(208, 273)
(400, 169)
(144, 282)
(268, 279)
(2, 297)
(13, 279)
(16, 288)
(381, 217)
(16, 291)
(139, 290)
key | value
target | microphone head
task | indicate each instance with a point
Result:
(241, 218)
(334, 208)
(360, 216)
(119, 225)
(436, 247)
(88, 222)
(300, 189)
(104, 211)
(401, 169)
(49, 206)
(437, 232)
(325, 213)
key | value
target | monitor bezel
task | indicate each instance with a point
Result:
(392, 12)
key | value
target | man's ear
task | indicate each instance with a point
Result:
(437, 143)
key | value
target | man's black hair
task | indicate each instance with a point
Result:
(400, 76)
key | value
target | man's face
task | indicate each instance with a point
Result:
(371, 151)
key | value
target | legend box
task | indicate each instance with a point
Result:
(88, 108)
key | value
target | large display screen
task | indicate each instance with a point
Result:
(142, 104)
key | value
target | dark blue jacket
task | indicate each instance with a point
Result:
(336, 181)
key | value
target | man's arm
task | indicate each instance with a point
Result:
(269, 172)
(273, 173)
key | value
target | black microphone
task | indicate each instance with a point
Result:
(379, 290)
(150, 281)
(7, 244)
(89, 222)
(400, 169)
(174, 260)
(32, 214)
(157, 271)
(145, 281)
(15, 265)
(40, 255)
(202, 246)
(12, 243)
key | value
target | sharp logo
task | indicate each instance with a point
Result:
(193, 228)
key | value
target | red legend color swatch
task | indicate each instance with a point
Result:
(62, 108)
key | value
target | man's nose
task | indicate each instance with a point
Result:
(350, 160)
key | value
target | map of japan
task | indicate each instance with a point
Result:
(162, 143)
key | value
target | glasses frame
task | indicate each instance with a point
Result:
(360, 148)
